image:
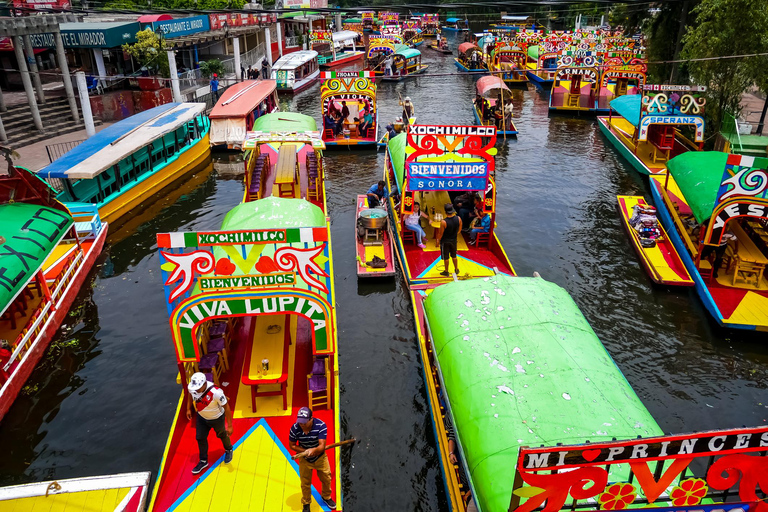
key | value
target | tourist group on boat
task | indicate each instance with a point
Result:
(526, 404)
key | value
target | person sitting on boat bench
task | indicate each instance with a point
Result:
(212, 412)
(483, 225)
(308, 434)
(366, 122)
(413, 222)
(377, 194)
(447, 234)
(464, 204)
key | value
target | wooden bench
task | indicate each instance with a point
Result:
(286, 171)
(750, 260)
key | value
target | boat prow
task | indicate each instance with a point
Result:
(377, 246)
(661, 261)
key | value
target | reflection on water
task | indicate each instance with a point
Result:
(104, 401)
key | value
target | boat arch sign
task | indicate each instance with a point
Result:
(192, 312)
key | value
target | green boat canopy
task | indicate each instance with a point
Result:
(352, 20)
(396, 148)
(407, 51)
(285, 122)
(698, 174)
(628, 107)
(533, 52)
(31, 230)
(274, 212)
(521, 366)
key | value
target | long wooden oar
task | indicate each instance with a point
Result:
(334, 445)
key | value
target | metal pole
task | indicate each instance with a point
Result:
(174, 77)
(66, 77)
(85, 102)
(279, 40)
(2, 102)
(268, 41)
(3, 136)
(236, 51)
(762, 117)
(19, 51)
(32, 63)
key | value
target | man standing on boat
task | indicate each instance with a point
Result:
(308, 435)
(212, 412)
(264, 69)
(447, 238)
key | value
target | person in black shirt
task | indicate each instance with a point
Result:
(447, 235)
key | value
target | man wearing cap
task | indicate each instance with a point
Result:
(447, 234)
(308, 435)
(215, 88)
(213, 412)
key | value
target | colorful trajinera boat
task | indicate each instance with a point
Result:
(464, 60)
(126, 492)
(375, 249)
(296, 71)
(576, 84)
(515, 376)
(355, 91)
(252, 306)
(456, 25)
(656, 251)
(715, 208)
(648, 128)
(511, 61)
(542, 59)
(123, 165)
(492, 105)
(460, 160)
(237, 109)
(330, 46)
(412, 34)
(430, 25)
(379, 48)
(368, 18)
(406, 63)
(623, 73)
(46, 254)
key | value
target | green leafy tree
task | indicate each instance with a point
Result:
(209, 67)
(726, 28)
(149, 50)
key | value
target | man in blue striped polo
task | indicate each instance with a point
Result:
(308, 435)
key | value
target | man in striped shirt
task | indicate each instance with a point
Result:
(308, 435)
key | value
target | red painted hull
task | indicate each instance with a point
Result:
(19, 377)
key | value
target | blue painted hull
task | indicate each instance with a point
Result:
(538, 81)
(466, 69)
(499, 132)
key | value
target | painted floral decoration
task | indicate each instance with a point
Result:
(617, 496)
(690, 492)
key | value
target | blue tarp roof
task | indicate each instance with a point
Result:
(453, 20)
(105, 137)
(628, 107)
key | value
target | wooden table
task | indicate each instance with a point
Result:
(749, 259)
(286, 171)
(268, 346)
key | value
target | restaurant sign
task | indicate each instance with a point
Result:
(182, 26)
(90, 35)
(701, 472)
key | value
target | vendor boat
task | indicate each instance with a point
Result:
(515, 376)
(464, 60)
(356, 90)
(406, 63)
(296, 71)
(510, 61)
(440, 49)
(648, 131)
(239, 106)
(430, 26)
(656, 251)
(456, 25)
(252, 305)
(715, 208)
(123, 165)
(375, 249)
(465, 164)
(492, 100)
(46, 255)
(126, 492)
(330, 46)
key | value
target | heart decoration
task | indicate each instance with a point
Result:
(590, 455)
(265, 265)
(224, 267)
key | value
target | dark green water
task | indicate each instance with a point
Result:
(104, 399)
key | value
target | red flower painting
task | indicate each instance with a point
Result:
(617, 496)
(689, 493)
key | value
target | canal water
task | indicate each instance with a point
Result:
(103, 399)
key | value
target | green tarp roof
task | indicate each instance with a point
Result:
(396, 148)
(628, 107)
(698, 174)
(407, 51)
(353, 20)
(285, 122)
(522, 366)
(533, 52)
(273, 212)
(33, 231)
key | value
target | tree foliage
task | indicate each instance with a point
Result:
(149, 50)
(209, 67)
(726, 28)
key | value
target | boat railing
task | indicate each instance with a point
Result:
(685, 141)
(731, 131)
(87, 219)
(37, 322)
(57, 150)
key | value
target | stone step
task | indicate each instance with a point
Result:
(23, 121)
(31, 137)
(24, 107)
